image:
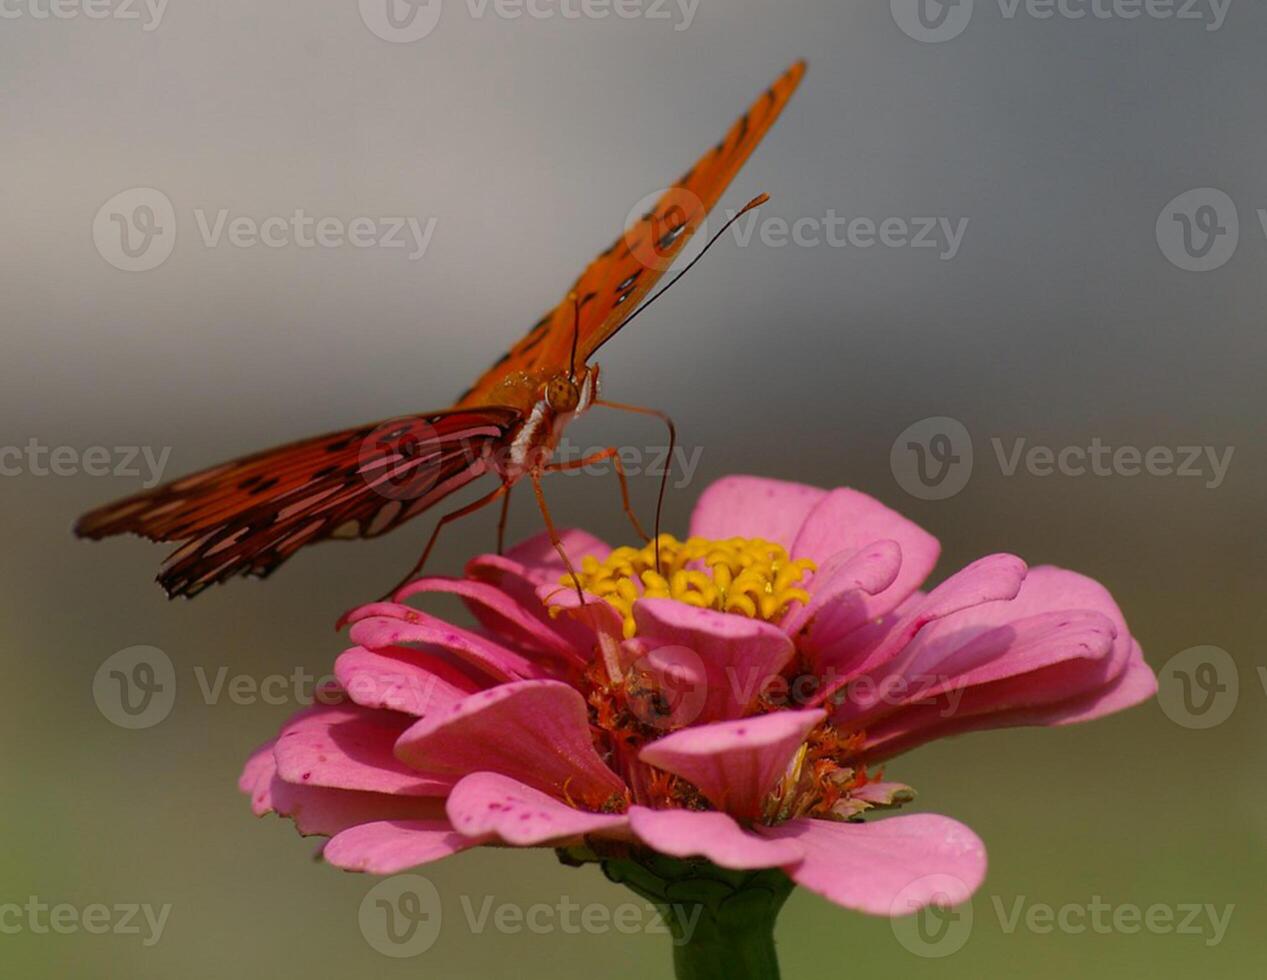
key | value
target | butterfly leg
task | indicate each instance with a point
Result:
(471, 508)
(501, 523)
(554, 534)
(664, 477)
(612, 453)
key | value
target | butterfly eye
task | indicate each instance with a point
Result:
(562, 394)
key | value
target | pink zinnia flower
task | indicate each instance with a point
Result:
(731, 710)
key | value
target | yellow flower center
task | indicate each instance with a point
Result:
(747, 576)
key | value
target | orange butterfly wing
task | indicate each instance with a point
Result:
(248, 516)
(613, 285)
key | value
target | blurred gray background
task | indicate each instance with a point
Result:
(1066, 315)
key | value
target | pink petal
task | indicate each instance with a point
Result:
(740, 654)
(712, 835)
(257, 777)
(1048, 588)
(388, 846)
(985, 580)
(1061, 641)
(1134, 685)
(350, 747)
(541, 560)
(534, 731)
(485, 804)
(841, 594)
(675, 674)
(754, 507)
(410, 625)
(993, 706)
(318, 810)
(1012, 661)
(735, 764)
(594, 621)
(401, 679)
(886, 867)
(847, 520)
(515, 616)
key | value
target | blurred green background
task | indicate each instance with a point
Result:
(1059, 320)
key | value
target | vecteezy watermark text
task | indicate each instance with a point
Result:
(403, 916)
(136, 230)
(681, 464)
(936, 21)
(148, 12)
(98, 919)
(38, 459)
(939, 929)
(933, 459)
(655, 223)
(405, 21)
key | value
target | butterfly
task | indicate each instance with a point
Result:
(248, 516)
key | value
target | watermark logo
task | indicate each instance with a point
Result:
(401, 21)
(399, 459)
(136, 687)
(1198, 688)
(1199, 230)
(136, 229)
(657, 222)
(935, 929)
(932, 21)
(401, 916)
(932, 459)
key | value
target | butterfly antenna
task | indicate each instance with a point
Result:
(756, 202)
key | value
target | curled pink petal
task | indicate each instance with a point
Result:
(740, 655)
(350, 747)
(846, 520)
(504, 615)
(534, 731)
(488, 804)
(414, 626)
(840, 595)
(985, 580)
(402, 679)
(735, 764)
(1007, 705)
(1006, 660)
(712, 835)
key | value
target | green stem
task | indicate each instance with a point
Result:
(722, 921)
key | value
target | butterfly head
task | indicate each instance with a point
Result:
(565, 394)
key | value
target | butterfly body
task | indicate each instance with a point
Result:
(557, 401)
(248, 516)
